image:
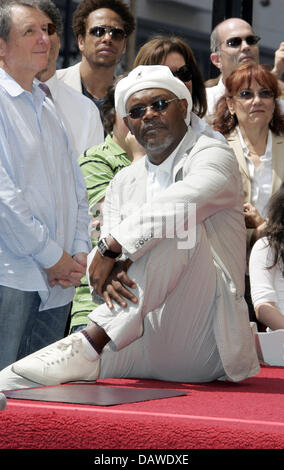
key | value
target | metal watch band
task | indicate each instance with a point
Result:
(104, 250)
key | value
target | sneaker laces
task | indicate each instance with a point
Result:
(60, 350)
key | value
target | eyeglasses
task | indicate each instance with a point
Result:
(183, 73)
(251, 40)
(249, 94)
(51, 29)
(157, 106)
(116, 34)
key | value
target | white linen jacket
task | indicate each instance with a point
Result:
(81, 117)
(277, 163)
(205, 173)
(71, 76)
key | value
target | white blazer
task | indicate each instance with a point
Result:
(81, 117)
(206, 173)
(71, 76)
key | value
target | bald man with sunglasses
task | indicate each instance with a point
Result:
(233, 42)
(170, 261)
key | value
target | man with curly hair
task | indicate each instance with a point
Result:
(101, 28)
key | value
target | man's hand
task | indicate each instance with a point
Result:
(67, 271)
(253, 218)
(116, 285)
(81, 258)
(109, 278)
(134, 149)
(101, 266)
(99, 270)
(278, 68)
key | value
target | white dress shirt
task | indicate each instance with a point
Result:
(80, 116)
(213, 94)
(267, 285)
(201, 127)
(43, 198)
(160, 177)
(261, 177)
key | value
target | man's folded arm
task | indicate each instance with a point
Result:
(212, 184)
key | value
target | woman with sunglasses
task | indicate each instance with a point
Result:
(249, 116)
(178, 56)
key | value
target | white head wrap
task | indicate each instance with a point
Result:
(150, 76)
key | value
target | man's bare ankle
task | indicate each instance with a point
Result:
(97, 334)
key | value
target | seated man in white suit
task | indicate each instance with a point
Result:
(175, 310)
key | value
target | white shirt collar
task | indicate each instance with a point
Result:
(167, 165)
(268, 150)
(14, 89)
(52, 83)
(160, 176)
(12, 86)
(221, 86)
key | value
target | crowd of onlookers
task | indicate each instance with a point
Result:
(68, 116)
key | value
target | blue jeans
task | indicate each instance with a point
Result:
(23, 329)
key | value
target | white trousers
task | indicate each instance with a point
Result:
(169, 334)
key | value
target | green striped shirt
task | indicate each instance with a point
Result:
(99, 165)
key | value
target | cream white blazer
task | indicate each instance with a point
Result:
(205, 173)
(277, 163)
(71, 76)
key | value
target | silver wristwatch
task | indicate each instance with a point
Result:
(104, 250)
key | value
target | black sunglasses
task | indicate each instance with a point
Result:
(116, 34)
(262, 94)
(183, 73)
(157, 106)
(251, 40)
(51, 29)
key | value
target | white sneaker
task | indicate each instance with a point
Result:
(60, 362)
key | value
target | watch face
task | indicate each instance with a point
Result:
(102, 247)
(104, 250)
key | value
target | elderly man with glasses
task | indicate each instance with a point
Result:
(171, 259)
(43, 201)
(233, 42)
(101, 28)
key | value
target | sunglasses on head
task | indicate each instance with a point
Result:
(158, 106)
(115, 33)
(51, 29)
(262, 94)
(251, 40)
(183, 73)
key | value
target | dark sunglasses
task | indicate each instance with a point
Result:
(262, 94)
(183, 73)
(157, 106)
(116, 34)
(51, 29)
(251, 40)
